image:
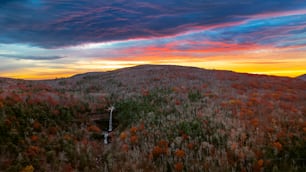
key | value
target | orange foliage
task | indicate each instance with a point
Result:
(253, 101)
(163, 143)
(254, 122)
(176, 89)
(260, 163)
(157, 151)
(276, 96)
(67, 137)
(93, 128)
(180, 153)
(133, 130)
(160, 149)
(234, 146)
(278, 145)
(28, 168)
(123, 136)
(246, 112)
(235, 102)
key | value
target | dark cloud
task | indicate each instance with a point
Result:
(56, 23)
(281, 31)
(31, 57)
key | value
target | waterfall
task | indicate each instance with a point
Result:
(110, 125)
(105, 137)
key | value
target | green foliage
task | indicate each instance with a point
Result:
(194, 95)
(191, 128)
(130, 111)
(133, 109)
(4, 132)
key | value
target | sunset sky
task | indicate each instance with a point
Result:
(46, 39)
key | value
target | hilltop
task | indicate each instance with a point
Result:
(153, 76)
(168, 118)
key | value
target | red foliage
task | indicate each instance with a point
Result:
(141, 127)
(33, 151)
(134, 139)
(145, 92)
(157, 151)
(36, 125)
(52, 130)
(8, 122)
(1, 104)
(191, 146)
(185, 136)
(125, 148)
(68, 168)
(34, 138)
(179, 166)
(239, 87)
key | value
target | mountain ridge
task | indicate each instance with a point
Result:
(152, 67)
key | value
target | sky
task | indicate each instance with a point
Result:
(47, 39)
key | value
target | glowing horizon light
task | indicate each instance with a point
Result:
(65, 40)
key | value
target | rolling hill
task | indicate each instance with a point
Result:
(168, 118)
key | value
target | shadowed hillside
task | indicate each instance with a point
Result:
(302, 77)
(169, 118)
